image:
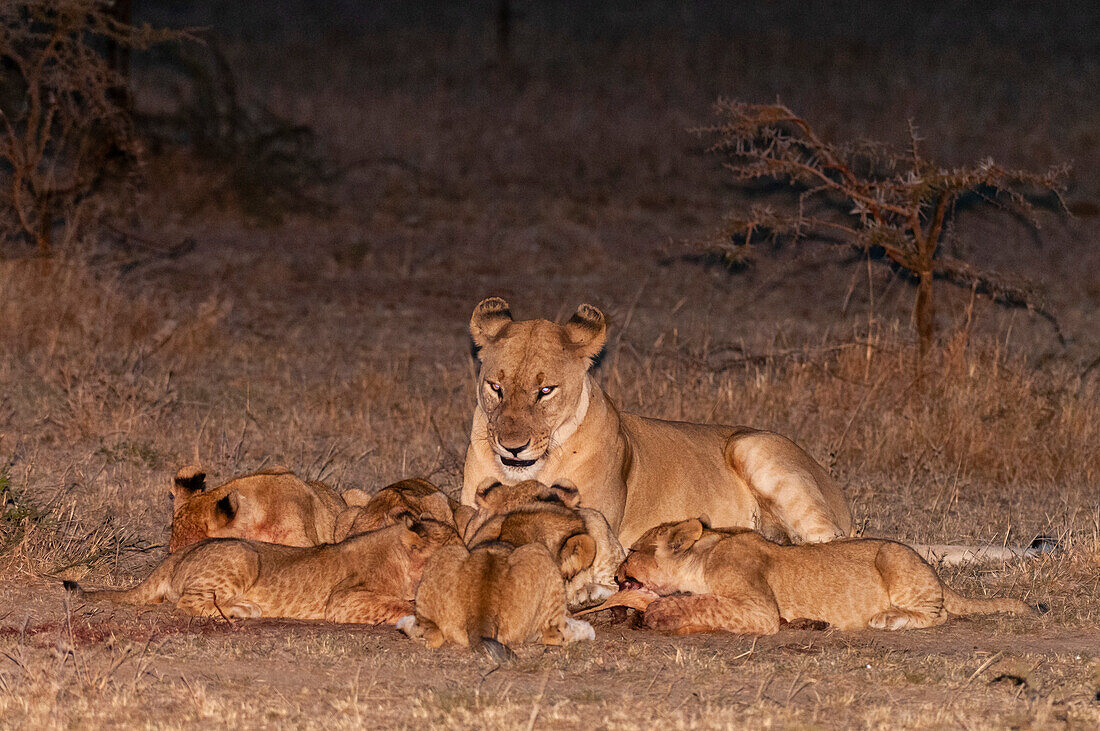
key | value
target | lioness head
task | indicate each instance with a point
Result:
(668, 557)
(532, 385)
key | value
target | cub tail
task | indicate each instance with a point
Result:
(151, 591)
(498, 651)
(480, 635)
(960, 605)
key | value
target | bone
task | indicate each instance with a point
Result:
(634, 598)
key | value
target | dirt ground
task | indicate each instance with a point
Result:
(335, 343)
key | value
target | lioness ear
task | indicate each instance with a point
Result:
(489, 318)
(577, 554)
(705, 520)
(189, 481)
(685, 534)
(568, 493)
(587, 331)
(225, 510)
(483, 490)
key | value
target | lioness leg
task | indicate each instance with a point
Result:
(689, 613)
(359, 606)
(916, 594)
(796, 489)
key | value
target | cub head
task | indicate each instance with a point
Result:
(495, 497)
(264, 506)
(419, 538)
(667, 558)
(412, 497)
(197, 514)
(532, 384)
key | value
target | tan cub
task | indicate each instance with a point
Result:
(492, 597)
(413, 497)
(272, 505)
(370, 578)
(740, 582)
(587, 551)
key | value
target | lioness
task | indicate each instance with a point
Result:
(369, 578)
(541, 415)
(741, 582)
(587, 551)
(413, 497)
(272, 505)
(491, 597)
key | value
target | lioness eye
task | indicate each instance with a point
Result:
(495, 388)
(546, 391)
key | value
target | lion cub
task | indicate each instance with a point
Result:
(272, 505)
(491, 597)
(740, 582)
(587, 551)
(413, 497)
(370, 578)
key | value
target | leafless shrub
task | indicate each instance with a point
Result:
(263, 165)
(65, 131)
(891, 202)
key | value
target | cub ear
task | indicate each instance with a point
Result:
(705, 520)
(190, 480)
(437, 506)
(354, 496)
(685, 534)
(487, 486)
(577, 554)
(225, 510)
(409, 537)
(568, 493)
(463, 515)
(587, 331)
(489, 318)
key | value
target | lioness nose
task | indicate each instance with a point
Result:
(516, 450)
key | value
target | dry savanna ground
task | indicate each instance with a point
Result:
(335, 344)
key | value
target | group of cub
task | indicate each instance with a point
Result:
(509, 569)
(271, 545)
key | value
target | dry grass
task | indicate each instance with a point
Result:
(337, 346)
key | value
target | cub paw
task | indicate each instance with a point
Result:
(888, 620)
(577, 630)
(663, 615)
(407, 624)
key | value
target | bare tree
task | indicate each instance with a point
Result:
(893, 201)
(65, 128)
